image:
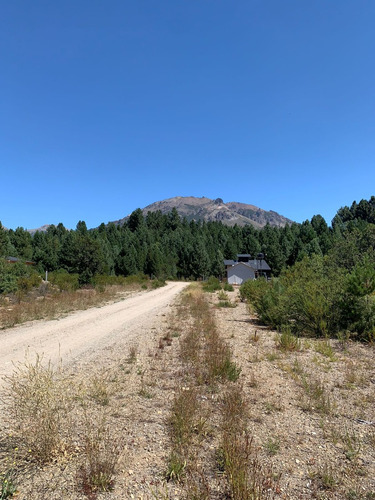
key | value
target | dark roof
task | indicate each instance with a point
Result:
(243, 255)
(256, 264)
(12, 259)
(259, 264)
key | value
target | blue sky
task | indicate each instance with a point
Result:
(110, 106)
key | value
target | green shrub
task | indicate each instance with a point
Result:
(26, 283)
(315, 298)
(286, 341)
(357, 303)
(17, 278)
(222, 295)
(253, 290)
(226, 303)
(8, 283)
(273, 306)
(158, 284)
(64, 280)
(7, 486)
(211, 285)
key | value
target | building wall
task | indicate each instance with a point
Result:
(239, 273)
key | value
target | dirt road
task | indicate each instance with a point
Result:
(84, 336)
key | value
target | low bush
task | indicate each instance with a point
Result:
(8, 283)
(157, 284)
(211, 285)
(317, 298)
(286, 341)
(17, 278)
(227, 287)
(222, 295)
(253, 290)
(103, 280)
(65, 281)
(226, 303)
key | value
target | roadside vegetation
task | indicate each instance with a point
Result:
(318, 298)
(37, 299)
(53, 418)
(310, 408)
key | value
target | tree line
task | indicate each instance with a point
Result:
(168, 246)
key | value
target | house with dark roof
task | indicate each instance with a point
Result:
(245, 268)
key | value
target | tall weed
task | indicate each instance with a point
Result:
(38, 400)
(100, 455)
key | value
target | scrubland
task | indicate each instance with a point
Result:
(207, 404)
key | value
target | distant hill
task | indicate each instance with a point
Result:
(230, 213)
(41, 229)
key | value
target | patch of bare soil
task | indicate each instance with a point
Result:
(311, 412)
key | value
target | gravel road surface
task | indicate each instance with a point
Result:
(82, 336)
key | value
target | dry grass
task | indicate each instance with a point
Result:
(183, 416)
(56, 303)
(316, 397)
(99, 456)
(51, 417)
(248, 479)
(38, 399)
(209, 358)
(186, 417)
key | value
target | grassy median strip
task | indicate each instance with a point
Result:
(212, 452)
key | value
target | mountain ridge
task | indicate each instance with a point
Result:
(206, 209)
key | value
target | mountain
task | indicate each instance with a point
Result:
(230, 213)
(41, 229)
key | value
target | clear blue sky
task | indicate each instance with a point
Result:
(106, 106)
